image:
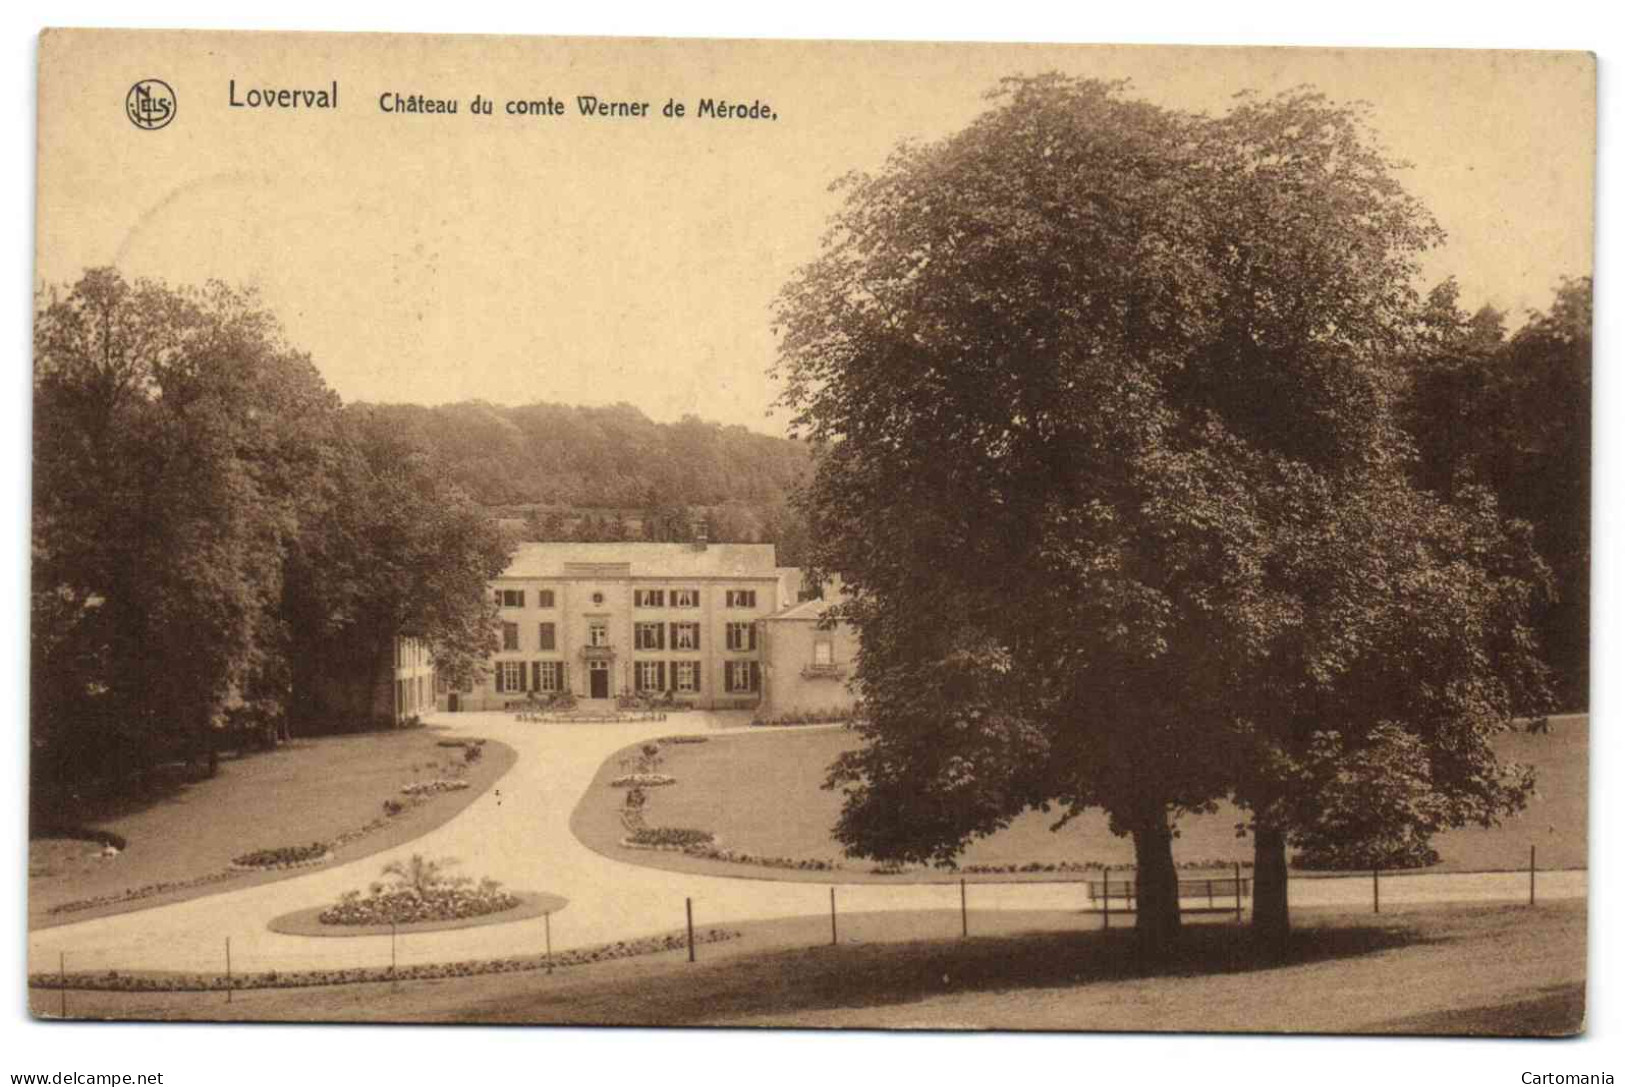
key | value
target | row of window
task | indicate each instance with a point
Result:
(641, 598)
(680, 677)
(544, 677)
(683, 677)
(740, 637)
(515, 598)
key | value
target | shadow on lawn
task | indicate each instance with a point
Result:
(782, 983)
(58, 812)
(1556, 1011)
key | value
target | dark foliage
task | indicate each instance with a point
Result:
(212, 532)
(611, 473)
(1115, 486)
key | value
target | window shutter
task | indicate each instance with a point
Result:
(755, 676)
(661, 671)
(535, 675)
(498, 677)
(753, 636)
(699, 671)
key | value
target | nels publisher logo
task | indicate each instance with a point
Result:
(150, 104)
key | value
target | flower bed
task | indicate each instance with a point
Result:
(284, 856)
(735, 856)
(589, 718)
(114, 981)
(641, 781)
(683, 740)
(811, 717)
(429, 788)
(1021, 869)
(703, 844)
(405, 906)
(670, 837)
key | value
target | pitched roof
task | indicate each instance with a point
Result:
(807, 609)
(644, 559)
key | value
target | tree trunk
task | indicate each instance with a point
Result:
(1156, 919)
(1271, 921)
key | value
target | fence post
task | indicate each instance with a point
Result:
(964, 914)
(547, 919)
(689, 903)
(1106, 897)
(834, 936)
(1376, 893)
(1238, 892)
(62, 972)
(228, 969)
(1531, 874)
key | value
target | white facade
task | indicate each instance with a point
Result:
(605, 619)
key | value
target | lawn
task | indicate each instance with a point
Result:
(304, 791)
(761, 793)
(1470, 970)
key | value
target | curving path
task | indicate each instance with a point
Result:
(518, 832)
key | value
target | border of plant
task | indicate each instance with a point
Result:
(74, 911)
(576, 717)
(304, 857)
(532, 904)
(166, 982)
(806, 720)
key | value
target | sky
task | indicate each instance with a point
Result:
(433, 259)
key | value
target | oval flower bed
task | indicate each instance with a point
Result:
(284, 856)
(408, 905)
(669, 837)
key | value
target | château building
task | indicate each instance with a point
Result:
(605, 619)
(807, 661)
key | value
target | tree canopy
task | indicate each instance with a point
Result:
(1107, 397)
(207, 516)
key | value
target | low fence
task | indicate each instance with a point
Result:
(416, 955)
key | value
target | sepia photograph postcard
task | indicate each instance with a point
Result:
(809, 534)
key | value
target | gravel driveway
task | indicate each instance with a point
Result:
(518, 833)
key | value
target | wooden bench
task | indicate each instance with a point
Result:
(1218, 892)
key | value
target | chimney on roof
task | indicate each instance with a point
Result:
(700, 541)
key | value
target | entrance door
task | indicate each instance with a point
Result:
(451, 702)
(599, 675)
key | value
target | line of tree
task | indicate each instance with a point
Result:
(658, 521)
(1116, 473)
(215, 536)
(602, 458)
(1512, 412)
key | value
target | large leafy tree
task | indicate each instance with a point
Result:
(400, 550)
(1514, 414)
(1091, 376)
(209, 525)
(173, 430)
